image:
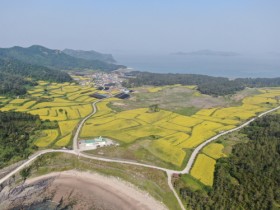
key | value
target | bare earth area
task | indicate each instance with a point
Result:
(78, 190)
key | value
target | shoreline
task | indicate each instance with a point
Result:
(94, 190)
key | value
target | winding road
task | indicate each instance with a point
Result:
(76, 136)
(169, 172)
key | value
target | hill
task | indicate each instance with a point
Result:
(90, 55)
(55, 59)
(15, 75)
(16, 130)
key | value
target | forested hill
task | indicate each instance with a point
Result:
(210, 85)
(56, 59)
(249, 178)
(206, 84)
(90, 55)
(15, 75)
(16, 130)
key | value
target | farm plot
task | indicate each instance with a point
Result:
(103, 109)
(67, 127)
(50, 102)
(64, 141)
(167, 134)
(214, 150)
(206, 112)
(18, 101)
(166, 151)
(47, 137)
(200, 133)
(203, 169)
(28, 104)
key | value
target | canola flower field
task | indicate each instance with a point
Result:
(65, 103)
(173, 134)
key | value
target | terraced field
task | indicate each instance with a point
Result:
(65, 103)
(169, 136)
(47, 137)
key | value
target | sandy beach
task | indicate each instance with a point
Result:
(84, 190)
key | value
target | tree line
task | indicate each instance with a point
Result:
(249, 178)
(216, 86)
(16, 75)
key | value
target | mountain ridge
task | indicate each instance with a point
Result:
(90, 55)
(55, 59)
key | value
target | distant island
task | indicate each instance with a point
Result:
(207, 53)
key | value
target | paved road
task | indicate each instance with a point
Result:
(75, 139)
(169, 172)
(169, 180)
(30, 160)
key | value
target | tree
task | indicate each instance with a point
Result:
(25, 173)
(154, 108)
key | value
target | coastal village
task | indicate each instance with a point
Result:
(109, 85)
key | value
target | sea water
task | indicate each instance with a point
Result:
(225, 66)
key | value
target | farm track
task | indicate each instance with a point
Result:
(169, 172)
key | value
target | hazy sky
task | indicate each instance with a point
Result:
(139, 26)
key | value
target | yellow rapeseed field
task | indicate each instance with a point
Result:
(261, 99)
(70, 89)
(99, 120)
(46, 138)
(52, 104)
(218, 120)
(203, 169)
(200, 133)
(164, 150)
(214, 150)
(42, 83)
(28, 104)
(131, 114)
(67, 127)
(206, 112)
(224, 128)
(153, 116)
(176, 138)
(84, 110)
(102, 108)
(155, 89)
(18, 101)
(185, 121)
(108, 128)
(64, 141)
(7, 108)
(172, 126)
(168, 134)
(40, 112)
